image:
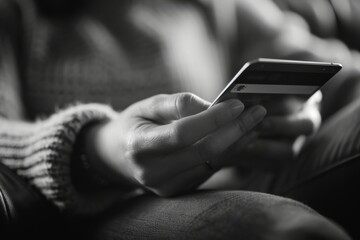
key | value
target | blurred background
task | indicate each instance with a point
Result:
(129, 50)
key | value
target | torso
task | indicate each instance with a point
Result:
(83, 61)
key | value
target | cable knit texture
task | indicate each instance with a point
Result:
(41, 152)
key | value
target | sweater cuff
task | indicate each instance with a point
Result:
(42, 153)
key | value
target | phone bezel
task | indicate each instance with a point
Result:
(269, 64)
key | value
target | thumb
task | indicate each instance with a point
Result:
(190, 104)
(166, 108)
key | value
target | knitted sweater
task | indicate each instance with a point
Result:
(51, 63)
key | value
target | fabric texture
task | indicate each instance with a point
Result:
(41, 152)
(325, 176)
(22, 209)
(336, 143)
(212, 215)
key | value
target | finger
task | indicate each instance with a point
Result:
(285, 106)
(286, 126)
(210, 148)
(213, 146)
(190, 129)
(166, 108)
(311, 110)
(187, 180)
(303, 123)
(188, 104)
(265, 154)
(239, 145)
(315, 99)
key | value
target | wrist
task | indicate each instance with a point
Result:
(98, 160)
(84, 174)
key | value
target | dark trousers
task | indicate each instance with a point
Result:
(213, 215)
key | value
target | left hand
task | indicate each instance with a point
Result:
(281, 135)
(168, 144)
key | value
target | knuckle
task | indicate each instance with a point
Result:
(177, 134)
(241, 127)
(182, 100)
(151, 102)
(205, 151)
(158, 99)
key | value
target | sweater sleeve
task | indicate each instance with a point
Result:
(41, 152)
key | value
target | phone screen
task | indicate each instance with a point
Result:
(266, 80)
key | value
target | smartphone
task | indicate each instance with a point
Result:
(264, 80)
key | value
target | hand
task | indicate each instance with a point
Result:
(281, 135)
(163, 143)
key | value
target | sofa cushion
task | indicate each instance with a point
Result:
(22, 208)
(326, 174)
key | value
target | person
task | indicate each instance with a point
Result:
(122, 55)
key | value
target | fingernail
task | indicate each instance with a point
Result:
(236, 107)
(258, 113)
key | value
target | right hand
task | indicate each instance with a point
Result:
(282, 134)
(163, 143)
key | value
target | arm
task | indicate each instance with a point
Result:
(41, 151)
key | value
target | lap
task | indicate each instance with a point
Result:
(213, 215)
(319, 177)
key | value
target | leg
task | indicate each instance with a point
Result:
(213, 215)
